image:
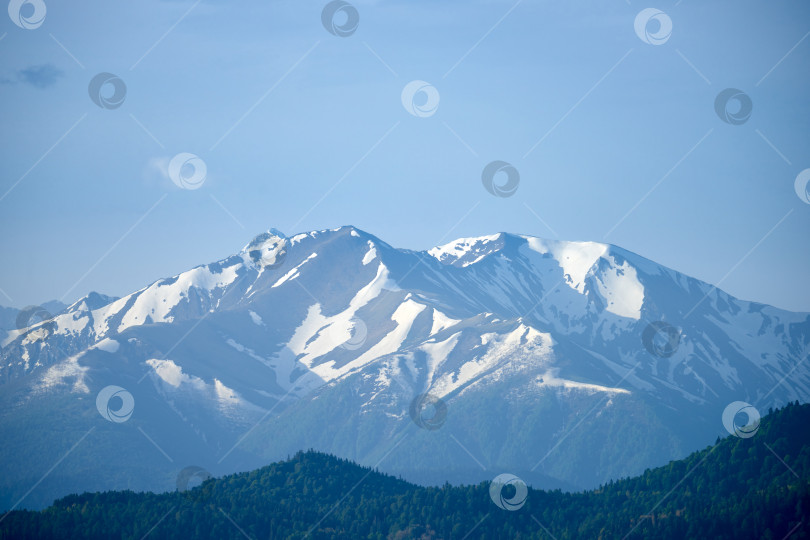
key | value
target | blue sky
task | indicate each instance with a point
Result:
(615, 139)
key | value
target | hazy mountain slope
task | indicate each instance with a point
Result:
(739, 488)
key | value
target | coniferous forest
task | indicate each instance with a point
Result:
(738, 488)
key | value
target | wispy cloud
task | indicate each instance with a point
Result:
(41, 76)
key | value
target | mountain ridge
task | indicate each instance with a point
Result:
(327, 339)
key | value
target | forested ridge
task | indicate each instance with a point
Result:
(738, 488)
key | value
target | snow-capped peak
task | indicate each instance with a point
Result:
(467, 251)
(266, 249)
(91, 302)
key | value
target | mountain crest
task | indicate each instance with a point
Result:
(326, 338)
(266, 249)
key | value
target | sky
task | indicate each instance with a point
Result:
(604, 113)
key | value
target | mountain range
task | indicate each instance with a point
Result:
(566, 363)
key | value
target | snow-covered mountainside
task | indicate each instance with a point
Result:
(539, 358)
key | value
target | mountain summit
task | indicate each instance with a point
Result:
(566, 363)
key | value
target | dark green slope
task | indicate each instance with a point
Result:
(738, 488)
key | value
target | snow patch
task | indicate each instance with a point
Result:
(437, 353)
(256, 318)
(549, 378)
(107, 345)
(441, 321)
(297, 238)
(621, 289)
(58, 374)
(292, 274)
(370, 255)
(317, 335)
(404, 316)
(71, 323)
(157, 301)
(173, 375)
(459, 248)
(523, 346)
(575, 258)
(226, 396)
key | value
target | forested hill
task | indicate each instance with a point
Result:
(739, 488)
